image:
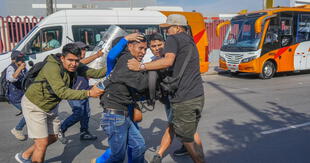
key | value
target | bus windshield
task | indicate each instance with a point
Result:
(241, 36)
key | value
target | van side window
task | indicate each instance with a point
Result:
(89, 34)
(46, 39)
(146, 29)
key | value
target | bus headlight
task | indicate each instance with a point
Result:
(222, 59)
(245, 60)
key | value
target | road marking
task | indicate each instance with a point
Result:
(285, 128)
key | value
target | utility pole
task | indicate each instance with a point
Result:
(49, 7)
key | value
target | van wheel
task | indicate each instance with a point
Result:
(268, 70)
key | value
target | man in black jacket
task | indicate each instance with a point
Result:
(121, 86)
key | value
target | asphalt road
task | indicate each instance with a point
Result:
(245, 120)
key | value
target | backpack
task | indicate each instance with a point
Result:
(4, 84)
(33, 73)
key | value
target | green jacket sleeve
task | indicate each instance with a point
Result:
(59, 85)
(86, 71)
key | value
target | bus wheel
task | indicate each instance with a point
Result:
(268, 70)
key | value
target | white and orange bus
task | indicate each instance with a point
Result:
(267, 41)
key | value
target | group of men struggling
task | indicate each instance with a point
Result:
(65, 77)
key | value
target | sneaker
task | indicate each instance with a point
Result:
(181, 152)
(19, 158)
(156, 158)
(62, 138)
(18, 134)
(87, 136)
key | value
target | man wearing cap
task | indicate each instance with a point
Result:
(15, 73)
(188, 99)
(80, 108)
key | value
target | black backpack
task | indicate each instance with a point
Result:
(4, 84)
(33, 73)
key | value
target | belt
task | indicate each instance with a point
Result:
(115, 111)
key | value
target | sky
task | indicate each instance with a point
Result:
(215, 7)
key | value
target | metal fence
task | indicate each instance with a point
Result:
(13, 29)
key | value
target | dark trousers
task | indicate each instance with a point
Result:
(80, 112)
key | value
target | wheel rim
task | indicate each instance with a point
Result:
(268, 70)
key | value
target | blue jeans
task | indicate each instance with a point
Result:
(122, 133)
(80, 112)
(20, 125)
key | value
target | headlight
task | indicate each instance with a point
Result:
(245, 60)
(222, 58)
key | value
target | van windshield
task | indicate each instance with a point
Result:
(22, 40)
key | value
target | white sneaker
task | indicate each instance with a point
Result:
(18, 134)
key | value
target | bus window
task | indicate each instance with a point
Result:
(272, 40)
(146, 29)
(286, 29)
(303, 27)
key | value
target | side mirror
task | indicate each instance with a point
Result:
(30, 63)
(285, 41)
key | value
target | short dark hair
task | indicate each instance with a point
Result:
(156, 36)
(71, 48)
(141, 40)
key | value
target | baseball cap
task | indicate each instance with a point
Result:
(81, 45)
(175, 19)
(19, 58)
(15, 54)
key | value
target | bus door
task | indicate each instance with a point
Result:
(286, 33)
(302, 53)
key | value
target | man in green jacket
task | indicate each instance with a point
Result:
(41, 99)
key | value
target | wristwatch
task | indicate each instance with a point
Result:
(142, 67)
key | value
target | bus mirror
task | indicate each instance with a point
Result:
(260, 21)
(218, 28)
(285, 41)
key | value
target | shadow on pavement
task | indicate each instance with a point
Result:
(245, 142)
(75, 145)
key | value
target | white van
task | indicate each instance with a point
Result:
(65, 26)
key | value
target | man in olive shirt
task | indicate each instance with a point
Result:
(41, 99)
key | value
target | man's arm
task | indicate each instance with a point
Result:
(162, 63)
(92, 57)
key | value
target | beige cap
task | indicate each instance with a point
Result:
(175, 19)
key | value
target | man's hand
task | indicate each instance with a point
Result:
(22, 66)
(99, 53)
(133, 64)
(95, 92)
(134, 37)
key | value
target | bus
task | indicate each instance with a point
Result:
(88, 26)
(267, 41)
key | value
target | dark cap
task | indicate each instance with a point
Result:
(81, 45)
(15, 54)
(20, 58)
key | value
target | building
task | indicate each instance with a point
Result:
(38, 7)
(295, 3)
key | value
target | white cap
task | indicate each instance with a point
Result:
(175, 19)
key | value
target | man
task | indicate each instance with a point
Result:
(15, 73)
(80, 108)
(52, 43)
(188, 99)
(121, 88)
(42, 98)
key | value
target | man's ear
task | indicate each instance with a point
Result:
(62, 58)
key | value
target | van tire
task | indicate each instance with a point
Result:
(268, 70)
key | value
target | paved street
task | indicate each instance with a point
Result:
(245, 120)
